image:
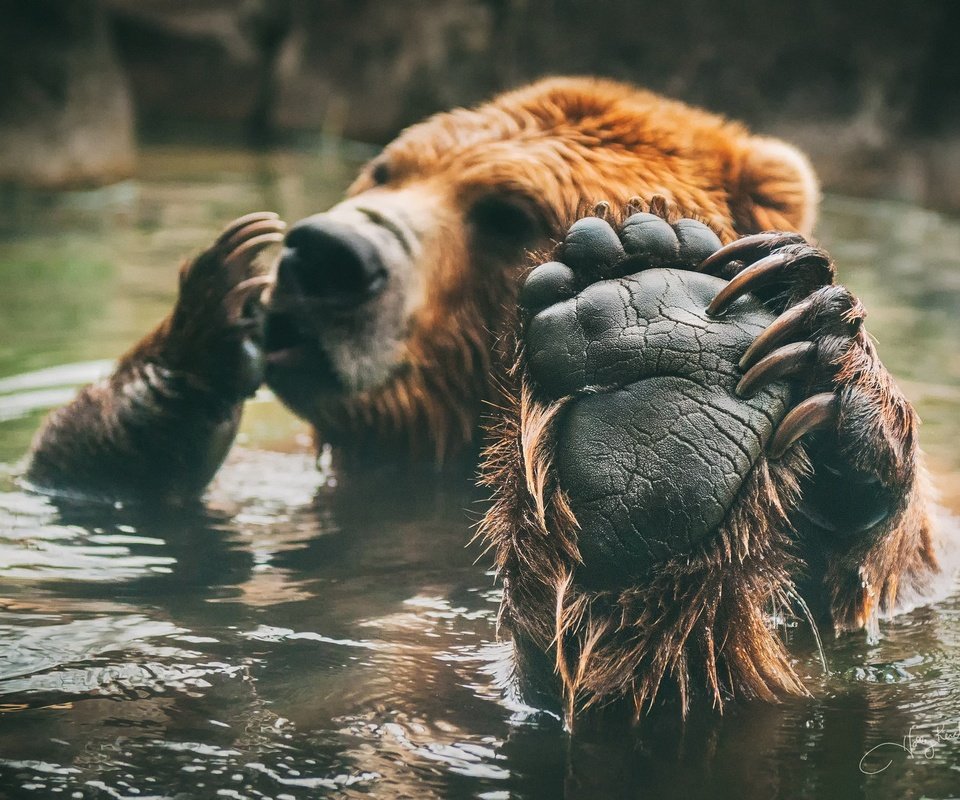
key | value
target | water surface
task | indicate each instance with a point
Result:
(311, 633)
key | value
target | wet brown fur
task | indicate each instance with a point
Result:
(870, 578)
(555, 147)
(702, 625)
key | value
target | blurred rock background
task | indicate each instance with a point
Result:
(868, 88)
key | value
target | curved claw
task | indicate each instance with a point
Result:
(251, 247)
(788, 360)
(781, 329)
(252, 229)
(739, 247)
(238, 296)
(602, 210)
(814, 413)
(763, 271)
(246, 219)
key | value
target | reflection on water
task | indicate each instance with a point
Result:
(308, 632)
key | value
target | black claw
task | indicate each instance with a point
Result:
(237, 301)
(242, 222)
(251, 247)
(784, 327)
(250, 231)
(758, 274)
(787, 360)
(602, 210)
(739, 249)
(814, 413)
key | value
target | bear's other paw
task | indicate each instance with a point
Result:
(161, 424)
(215, 333)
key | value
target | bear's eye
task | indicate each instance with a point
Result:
(380, 173)
(508, 219)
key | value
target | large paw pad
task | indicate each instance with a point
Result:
(655, 443)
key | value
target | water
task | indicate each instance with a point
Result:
(313, 633)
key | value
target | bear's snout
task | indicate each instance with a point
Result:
(345, 288)
(331, 263)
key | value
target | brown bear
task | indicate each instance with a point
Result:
(692, 430)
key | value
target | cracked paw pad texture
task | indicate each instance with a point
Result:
(654, 446)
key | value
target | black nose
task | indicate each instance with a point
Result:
(325, 260)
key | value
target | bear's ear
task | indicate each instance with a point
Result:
(775, 188)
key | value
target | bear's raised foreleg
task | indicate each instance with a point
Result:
(653, 505)
(161, 424)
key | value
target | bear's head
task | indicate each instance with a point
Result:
(384, 315)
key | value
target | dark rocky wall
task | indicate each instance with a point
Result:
(376, 65)
(65, 111)
(868, 87)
